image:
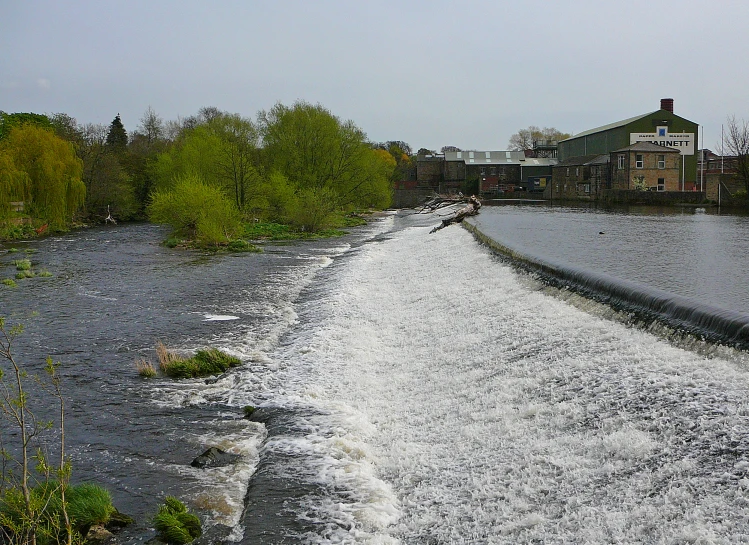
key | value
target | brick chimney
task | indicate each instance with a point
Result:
(667, 104)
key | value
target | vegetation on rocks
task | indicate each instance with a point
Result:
(203, 364)
(174, 524)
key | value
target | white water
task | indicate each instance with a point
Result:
(461, 404)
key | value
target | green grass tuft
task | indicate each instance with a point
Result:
(248, 410)
(174, 524)
(44, 273)
(242, 246)
(88, 505)
(12, 250)
(10, 282)
(203, 364)
(22, 264)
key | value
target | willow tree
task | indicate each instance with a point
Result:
(48, 171)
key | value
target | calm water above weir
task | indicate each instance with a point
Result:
(413, 389)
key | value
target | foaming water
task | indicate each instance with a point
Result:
(447, 401)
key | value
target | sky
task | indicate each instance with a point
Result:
(430, 73)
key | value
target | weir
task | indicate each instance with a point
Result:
(714, 324)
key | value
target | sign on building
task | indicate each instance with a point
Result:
(682, 141)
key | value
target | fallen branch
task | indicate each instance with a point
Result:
(470, 209)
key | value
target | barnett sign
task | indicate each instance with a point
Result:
(682, 141)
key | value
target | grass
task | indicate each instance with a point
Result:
(22, 264)
(20, 275)
(203, 364)
(145, 368)
(10, 282)
(174, 524)
(44, 273)
(87, 505)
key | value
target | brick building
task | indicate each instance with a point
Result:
(647, 167)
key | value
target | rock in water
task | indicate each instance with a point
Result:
(214, 457)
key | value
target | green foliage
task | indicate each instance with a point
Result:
(10, 282)
(240, 245)
(174, 524)
(22, 264)
(89, 504)
(328, 163)
(222, 149)
(9, 121)
(117, 135)
(42, 170)
(203, 364)
(248, 410)
(86, 504)
(196, 211)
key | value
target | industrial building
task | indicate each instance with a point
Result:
(661, 127)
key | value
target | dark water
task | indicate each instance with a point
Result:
(688, 265)
(115, 293)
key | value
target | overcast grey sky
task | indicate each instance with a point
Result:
(431, 73)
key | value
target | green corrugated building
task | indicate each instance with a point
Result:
(661, 127)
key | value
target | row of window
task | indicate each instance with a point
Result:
(639, 161)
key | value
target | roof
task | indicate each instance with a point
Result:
(610, 126)
(582, 160)
(647, 146)
(498, 158)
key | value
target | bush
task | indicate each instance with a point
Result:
(197, 211)
(175, 524)
(242, 246)
(10, 282)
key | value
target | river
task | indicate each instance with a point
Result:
(412, 388)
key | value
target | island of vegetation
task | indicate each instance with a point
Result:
(220, 180)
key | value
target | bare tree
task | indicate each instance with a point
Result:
(736, 142)
(524, 138)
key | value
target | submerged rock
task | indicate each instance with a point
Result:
(214, 457)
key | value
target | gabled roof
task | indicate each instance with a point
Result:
(615, 125)
(647, 146)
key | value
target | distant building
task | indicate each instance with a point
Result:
(661, 127)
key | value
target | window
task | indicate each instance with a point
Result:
(621, 161)
(661, 184)
(568, 172)
(577, 172)
(586, 188)
(661, 161)
(494, 171)
(483, 171)
(639, 163)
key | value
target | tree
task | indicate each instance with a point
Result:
(324, 157)
(222, 149)
(736, 142)
(524, 138)
(8, 121)
(50, 173)
(449, 148)
(424, 151)
(117, 135)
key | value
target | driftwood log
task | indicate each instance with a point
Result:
(470, 209)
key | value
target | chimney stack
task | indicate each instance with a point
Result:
(667, 104)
